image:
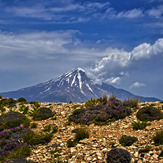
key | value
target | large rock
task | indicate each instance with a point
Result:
(118, 155)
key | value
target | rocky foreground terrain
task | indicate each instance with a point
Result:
(101, 138)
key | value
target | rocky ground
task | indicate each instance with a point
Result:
(100, 141)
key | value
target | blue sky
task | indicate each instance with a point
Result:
(115, 41)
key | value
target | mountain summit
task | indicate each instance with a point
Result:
(72, 86)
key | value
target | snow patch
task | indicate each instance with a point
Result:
(47, 89)
(80, 69)
(73, 81)
(89, 87)
(80, 80)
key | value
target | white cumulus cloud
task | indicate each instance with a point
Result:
(116, 61)
(137, 85)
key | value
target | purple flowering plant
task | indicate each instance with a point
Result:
(101, 111)
(9, 143)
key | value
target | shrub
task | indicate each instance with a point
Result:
(21, 99)
(33, 112)
(11, 119)
(112, 97)
(77, 116)
(140, 125)
(100, 111)
(39, 138)
(34, 125)
(158, 138)
(9, 102)
(26, 123)
(0, 97)
(11, 143)
(2, 108)
(96, 101)
(112, 144)
(118, 155)
(24, 109)
(149, 113)
(133, 103)
(70, 102)
(35, 103)
(54, 128)
(42, 113)
(81, 133)
(145, 150)
(71, 143)
(127, 140)
(22, 151)
(47, 128)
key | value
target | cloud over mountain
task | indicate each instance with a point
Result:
(115, 65)
(137, 85)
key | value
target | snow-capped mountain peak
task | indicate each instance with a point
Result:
(73, 85)
(72, 78)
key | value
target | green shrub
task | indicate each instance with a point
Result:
(22, 151)
(145, 150)
(0, 97)
(35, 103)
(54, 128)
(149, 113)
(34, 125)
(70, 102)
(39, 138)
(112, 97)
(26, 123)
(127, 140)
(2, 108)
(47, 128)
(81, 133)
(12, 119)
(29, 135)
(33, 112)
(71, 143)
(158, 138)
(112, 144)
(21, 109)
(140, 125)
(21, 99)
(133, 103)
(42, 114)
(9, 102)
(26, 110)
(96, 101)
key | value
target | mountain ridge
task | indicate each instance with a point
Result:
(71, 86)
